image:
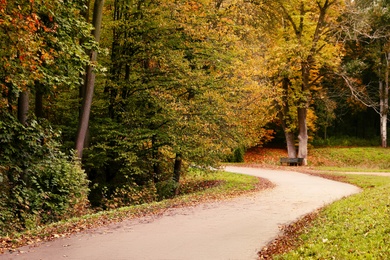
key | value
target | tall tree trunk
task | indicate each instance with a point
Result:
(382, 114)
(89, 82)
(302, 113)
(290, 138)
(303, 136)
(16, 178)
(177, 168)
(85, 13)
(39, 104)
(177, 171)
(386, 99)
(284, 111)
(23, 107)
(384, 104)
(157, 171)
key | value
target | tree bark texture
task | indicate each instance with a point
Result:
(303, 136)
(283, 114)
(302, 112)
(386, 100)
(177, 168)
(290, 140)
(39, 104)
(384, 104)
(177, 171)
(23, 107)
(89, 82)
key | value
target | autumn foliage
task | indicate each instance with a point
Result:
(177, 84)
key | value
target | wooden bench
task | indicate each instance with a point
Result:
(291, 161)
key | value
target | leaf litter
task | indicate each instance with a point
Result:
(53, 231)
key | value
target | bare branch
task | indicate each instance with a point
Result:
(358, 94)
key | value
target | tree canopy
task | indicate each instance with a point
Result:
(147, 89)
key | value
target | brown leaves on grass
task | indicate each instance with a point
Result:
(289, 240)
(57, 230)
(264, 184)
(264, 155)
(195, 186)
(290, 237)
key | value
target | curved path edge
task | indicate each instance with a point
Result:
(233, 229)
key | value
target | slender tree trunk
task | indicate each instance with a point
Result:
(39, 104)
(303, 136)
(89, 82)
(177, 168)
(16, 178)
(177, 171)
(155, 157)
(85, 13)
(384, 104)
(383, 123)
(23, 107)
(386, 100)
(302, 114)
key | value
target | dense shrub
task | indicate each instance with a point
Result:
(39, 184)
(132, 194)
(237, 156)
(127, 166)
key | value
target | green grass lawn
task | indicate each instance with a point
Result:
(357, 227)
(353, 158)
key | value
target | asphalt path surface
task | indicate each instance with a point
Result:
(233, 229)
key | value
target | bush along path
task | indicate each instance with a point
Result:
(233, 229)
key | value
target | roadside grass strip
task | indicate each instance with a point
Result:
(197, 187)
(357, 227)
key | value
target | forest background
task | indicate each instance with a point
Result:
(107, 103)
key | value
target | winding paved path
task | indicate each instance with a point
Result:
(233, 229)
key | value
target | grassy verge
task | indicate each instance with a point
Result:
(328, 158)
(197, 187)
(357, 227)
(358, 158)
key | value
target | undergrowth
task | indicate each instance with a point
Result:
(197, 187)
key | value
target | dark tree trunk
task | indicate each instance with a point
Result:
(39, 104)
(177, 168)
(177, 171)
(89, 82)
(155, 157)
(23, 107)
(85, 14)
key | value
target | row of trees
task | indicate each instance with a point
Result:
(145, 89)
(41, 53)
